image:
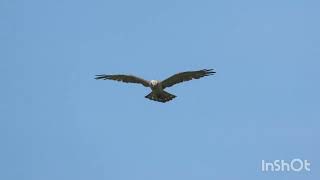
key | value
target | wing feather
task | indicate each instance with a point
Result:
(186, 76)
(124, 78)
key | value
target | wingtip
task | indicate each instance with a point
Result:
(101, 76)
(209, 71)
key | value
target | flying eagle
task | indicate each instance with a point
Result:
(157, 87)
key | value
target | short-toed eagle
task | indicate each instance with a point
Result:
(157, 87)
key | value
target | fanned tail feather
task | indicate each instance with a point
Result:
(161, 96)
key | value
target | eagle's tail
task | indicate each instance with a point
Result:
(162, 96)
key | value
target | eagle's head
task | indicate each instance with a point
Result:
(153, 83)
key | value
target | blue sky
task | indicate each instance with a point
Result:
(57, 122)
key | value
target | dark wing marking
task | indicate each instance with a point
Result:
(124, 78)
(186, 76)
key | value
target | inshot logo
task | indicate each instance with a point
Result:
(296, 165)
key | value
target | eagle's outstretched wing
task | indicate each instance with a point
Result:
(124, 78)
(186, 76)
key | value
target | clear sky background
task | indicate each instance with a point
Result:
(57, 122)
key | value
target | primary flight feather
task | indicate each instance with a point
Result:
(157, 87)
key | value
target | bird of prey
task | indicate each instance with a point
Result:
(157, 87)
